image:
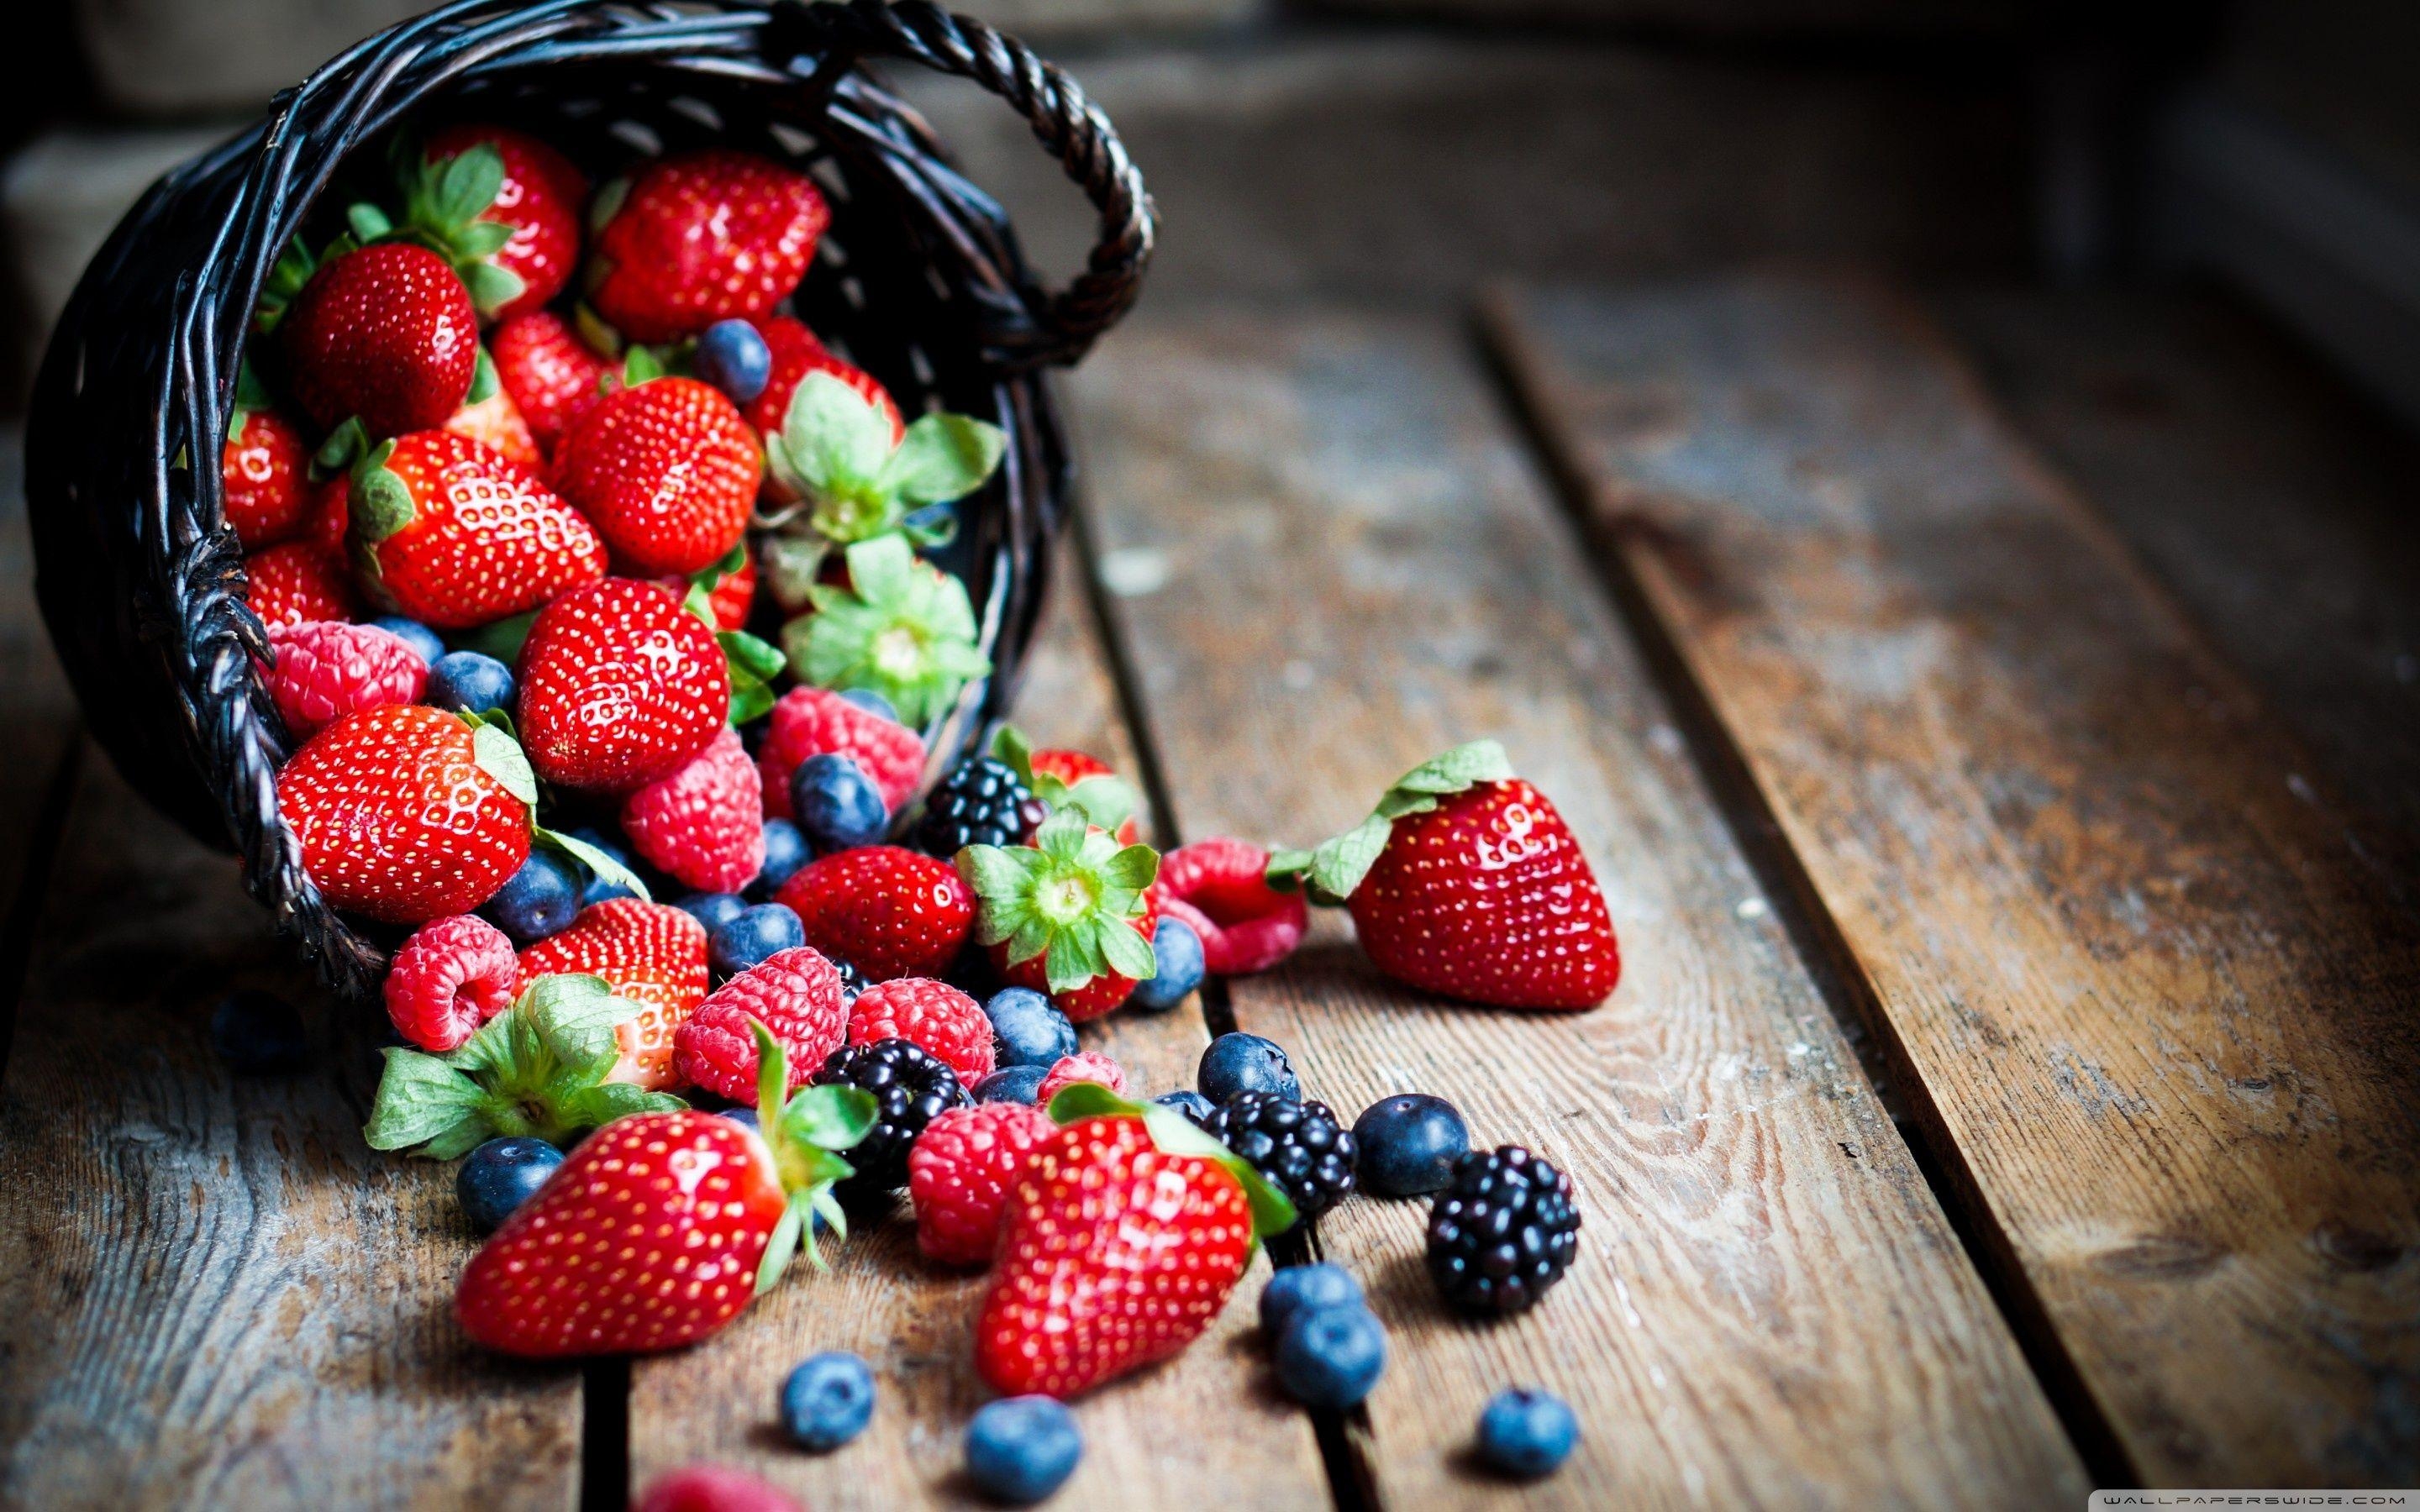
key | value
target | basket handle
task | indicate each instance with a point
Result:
(1072, 128)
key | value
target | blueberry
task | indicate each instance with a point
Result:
(539, 899)
(413, 633)
(1409, 1143)
(1330, 1356)
(470, 683)
(871, 701)
(744, 1115)
(1030, 1032)
(1246, 1063)
(500, 1176)
(1178, 951)
(1022, 1449)
(598, 889)
(752, 934)
(1297, 1287)
(732, 356)
(1189, 1103)
(258, 1035)
(1526, 1433)
(837, 804)
(827, 1401)
(1012, 1084)
(713, 909)
(785, 850)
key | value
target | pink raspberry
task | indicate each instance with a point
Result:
(796, 993)
(702, 823)
(452, 976)
(946, 1022)
(814, 721)
(1246, 925)
(1083, 1066)
(712, 1489)
(958, 1175)
(325, 669)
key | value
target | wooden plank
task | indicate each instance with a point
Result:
(1200, 1420)
(212, 1292)
(2152, 1004)
(1333, 564)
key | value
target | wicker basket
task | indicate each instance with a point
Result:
(920, 280)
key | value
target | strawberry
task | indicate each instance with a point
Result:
(712, 1489)
(700, 237)
(551, 374)
(902, 629)
(659, 1228)
(452, 976)
(1466, 882)
(797, 993)
(815, 722)
(667, 469)
(888, 911)
(728, 586)
(797, 352)
(1220, 886)
(1083, 1066)
(651, 954)
(505, 209)
(385, 332)
(703, 822)
(960, 1171)
(294, 583)
(408, 814)
(331, 519)
(619, 686)
(262, 470)
(327, 668)
(946, 1023)
(495, 422)
(1070, 915)
(1070, 780)
(454, 535)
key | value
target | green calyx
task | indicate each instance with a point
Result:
(805, 1130)
(836, 451)
(1105, 800)
(443, 201)
(752, 663)
(537, 1069)
(496, 750)
(598, 864)
(293, 268)
(902, 629)
(1071, 898)
(251, 397)
(1273, 1212)
(1329, 874)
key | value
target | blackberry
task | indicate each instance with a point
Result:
(911, 1088)
(1299, 1147)
(982, 803)
(1503, 1232)
(852, 978)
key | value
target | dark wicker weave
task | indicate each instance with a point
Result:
(921, 282)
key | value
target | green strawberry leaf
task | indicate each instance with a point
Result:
(1273, 1212)
(252, 397)
(484, 383)
(491, 287)
(595, 332)
(833, 439)
(419, 1098)
(640, 364)
(902, 629)
(293, 268)
(469, 182)
(501, 757)
(1329, 874)
(830, 1118)
(1071, 899)
(600, 865)
(343, 450)
(782, 1245)
(379, 503)
(606, 203)
(595, 1107)
(368, 222)
(482, 240)
(942, 458)
(759, 659)
(752, 663)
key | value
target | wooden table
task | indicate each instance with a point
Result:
(1984, 715)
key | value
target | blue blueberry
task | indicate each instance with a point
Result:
(827, 1401)
(539, 899)
(597, 888)
(500, 1176)
(1526, 1433)
(1030, 1030)
(1409, 1143)
(744, 1115)
(713, 909)
(751, 935)
(732, 356)
(1178, 951)
(1297, 1287)
(1022, 1449)
(413, 633)
(837, 805)
(258, 1035)
(1012, 1084)
(785, 850)
(871, 701)
(470, 683)
(1246, 1063)
(1330, 1356)
(1187, 1102)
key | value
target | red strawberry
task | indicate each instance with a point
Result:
(958, 1175)
(261, 473)
(668, 472)
(701, 237)
(712, 1489)
(539, 195)
(1069, 768)
(817, 721)
(797, 352)
(495, 422)
(1083, 1066)
(653, 954)
(1223, 890)
(295, 583)
(452, 976)
(1071, 914)
(326, 668)
(619, 686)
(386, 333)
(1069, 779)
(454, 535)
(405, 815)
(331, 518)
(949, 1025)
(550, 372)
(703, 822)
(891, 912)
(730, 593)
(1466, 882)
(795, 994)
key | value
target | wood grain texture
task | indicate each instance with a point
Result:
(212, 1292)
(2153, 1002)
(1204, 1419)
(1332, 563)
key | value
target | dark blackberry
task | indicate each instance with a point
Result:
(852, 978)
(982, 803)
(911, 1087)
(1503, 1232)
(1298, 1145)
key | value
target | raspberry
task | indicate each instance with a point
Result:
(703, 822)
(712, 1489)
(452, 976)
(945, 1020)
(814, 721)
(326, 668)
(1246, 925)
(1083, 1066)
(796, 992)
(958, 1175)
(295, 582)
